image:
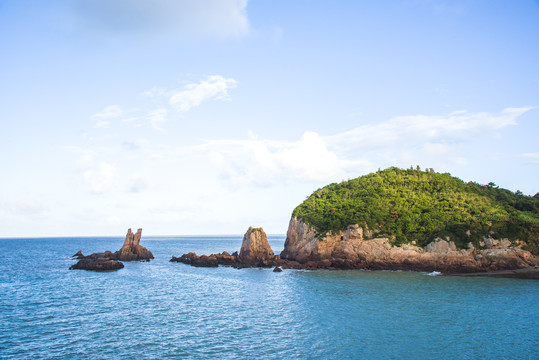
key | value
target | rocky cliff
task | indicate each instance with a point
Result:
(358, 248)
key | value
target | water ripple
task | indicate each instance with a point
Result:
(162, 310)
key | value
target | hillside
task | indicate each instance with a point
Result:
(414, 205)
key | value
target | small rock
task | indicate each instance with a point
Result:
(277, 269)
(102, 264)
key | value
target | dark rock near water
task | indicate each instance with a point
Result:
(526, 273)
(255, 252)
(108, 260)
(101, 264)
(277, 269)
(199, 261)
(358, 248)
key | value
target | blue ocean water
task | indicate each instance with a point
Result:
(160, 309)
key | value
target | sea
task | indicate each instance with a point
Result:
(161, 309)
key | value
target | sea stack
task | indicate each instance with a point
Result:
(132, 250)
(255, 249)
(255, 252)
(107, 261)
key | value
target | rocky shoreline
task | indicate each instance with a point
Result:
(357, 248)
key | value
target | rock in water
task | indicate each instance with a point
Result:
(101, 264)
(255, 249)
(107, 261)
(132, 250)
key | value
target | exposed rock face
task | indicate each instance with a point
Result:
(106, 261)
(132, 250)
(356, 248)
(255, 252)
(255, 249)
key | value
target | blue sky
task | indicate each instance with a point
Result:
(210, 116)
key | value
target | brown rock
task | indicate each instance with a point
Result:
(101, 264)
(199, 261)
(355, 248)
(132, 250)
(255, 249)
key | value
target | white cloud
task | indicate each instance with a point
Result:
(420, 129)
(166, 18)
(110, 112)
(157, 117)
(311, 160)
(400, 141)
(213, 87)
(156, 105)
(435, 141)
(101, 178)
(261, 162)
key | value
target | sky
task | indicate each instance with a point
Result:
(209, 116)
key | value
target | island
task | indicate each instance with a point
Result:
(131, 250)
(404, 219)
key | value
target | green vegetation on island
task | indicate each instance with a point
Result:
(415, 205)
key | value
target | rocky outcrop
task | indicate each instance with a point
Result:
(101, 264)
(357, 248)
(199, 261)
(107, 261)
(255, 252)
(255, 249)
(132, 250)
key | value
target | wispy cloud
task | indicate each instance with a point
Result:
(422, 130)
(109, 113)
(157, 117)
(157, 105)
(213, 87)
(264, 163)
(259, 162)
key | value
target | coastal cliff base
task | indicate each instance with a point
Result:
(357, 248)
